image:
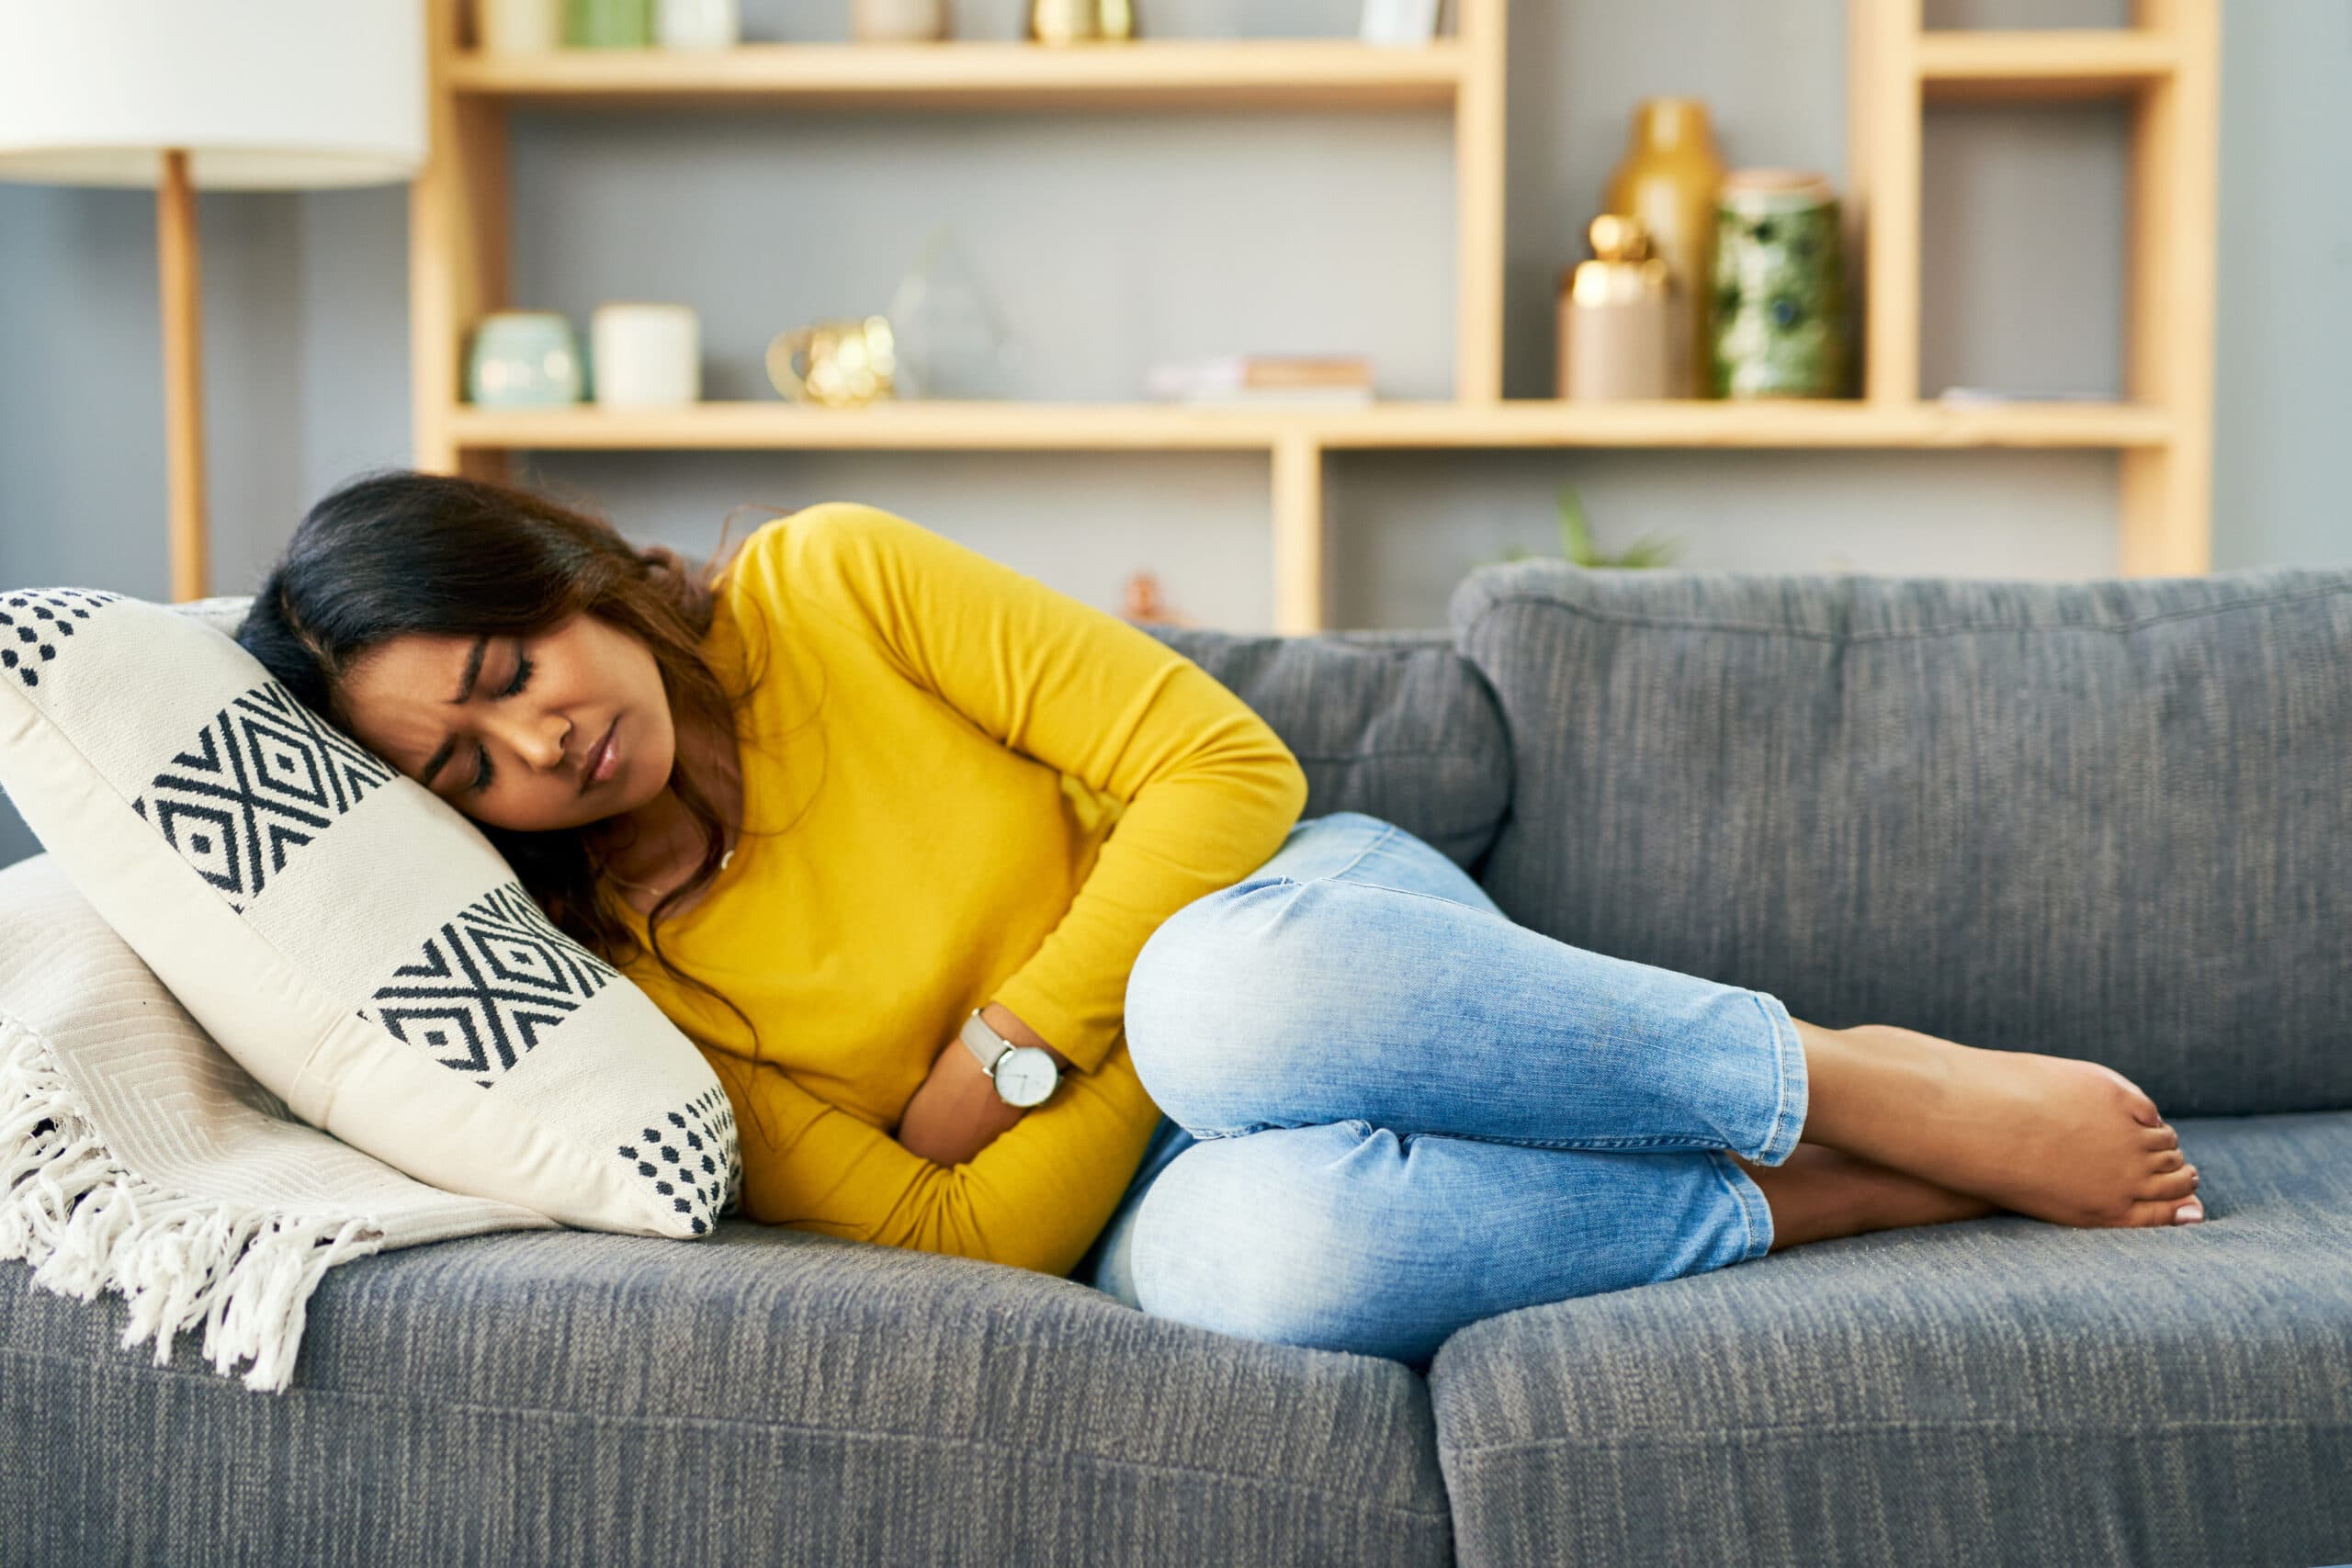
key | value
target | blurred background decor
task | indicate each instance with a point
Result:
(609, 24)
(848, 360)
(949, 340)
(1242, 380)
(2031, 195)
(1623, 324)
(1779, 288)
(698, 24)
(645, 355)
(520, 26)
(1576, 546)
(1666, 181)
(899, 21)
(1082, 21)
(264, 96)
(1397, 24)
(525, 359)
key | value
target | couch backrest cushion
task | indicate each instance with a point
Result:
(1393, 724)
(2108, 819)
(349, 937)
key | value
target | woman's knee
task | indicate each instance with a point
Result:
(1193, 1001)
(1242, 1236)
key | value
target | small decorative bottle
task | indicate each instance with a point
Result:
(1617, 317)
(1669, 180)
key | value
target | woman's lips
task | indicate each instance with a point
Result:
(606, 759)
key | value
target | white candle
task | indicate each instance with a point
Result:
(700, 24)
(645, 355)
(521, 26)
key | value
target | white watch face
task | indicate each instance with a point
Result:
(1026, 1076)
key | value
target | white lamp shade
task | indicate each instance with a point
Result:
(266, 95)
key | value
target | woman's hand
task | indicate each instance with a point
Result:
(957, 1112)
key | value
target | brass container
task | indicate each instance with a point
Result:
(850, 361)
(1082, 21)
(1617, 317)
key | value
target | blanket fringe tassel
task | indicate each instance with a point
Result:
(88, 1223)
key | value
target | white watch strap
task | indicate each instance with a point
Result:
(983, 1041)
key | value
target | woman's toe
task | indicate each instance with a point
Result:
(2164, 1212)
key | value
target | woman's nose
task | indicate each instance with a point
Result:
(541, 741)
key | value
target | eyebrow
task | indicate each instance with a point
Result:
(465, 691)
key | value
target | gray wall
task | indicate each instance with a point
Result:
(1112, 242)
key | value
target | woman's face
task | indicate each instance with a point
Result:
(508, 728)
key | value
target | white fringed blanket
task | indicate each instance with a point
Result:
(137, 1156)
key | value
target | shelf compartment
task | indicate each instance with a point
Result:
(1146, 73)
(1957, 66)
(943, 425)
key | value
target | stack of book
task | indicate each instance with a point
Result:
(1255, 379)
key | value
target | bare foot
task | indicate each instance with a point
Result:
(2061, 1139)
(1819, 1192)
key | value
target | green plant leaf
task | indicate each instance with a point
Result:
(1574, 532)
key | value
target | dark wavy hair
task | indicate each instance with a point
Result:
(395, 551)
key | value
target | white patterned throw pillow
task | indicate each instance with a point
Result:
(352, 939)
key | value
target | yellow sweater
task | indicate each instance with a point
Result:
(935, 761)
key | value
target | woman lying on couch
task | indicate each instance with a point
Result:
(999, 921)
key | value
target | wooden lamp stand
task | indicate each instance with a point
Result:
(176, 254)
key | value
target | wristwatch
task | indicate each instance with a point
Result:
(1024, 1074)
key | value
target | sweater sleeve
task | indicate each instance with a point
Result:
(1209, 789)
(1036, 1196)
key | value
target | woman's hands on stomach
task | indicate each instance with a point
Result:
(956, 1111)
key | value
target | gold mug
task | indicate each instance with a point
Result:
(850, 361)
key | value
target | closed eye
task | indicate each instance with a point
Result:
(484, 772)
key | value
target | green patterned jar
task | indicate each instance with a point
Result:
(608, 24)
(1779, 288)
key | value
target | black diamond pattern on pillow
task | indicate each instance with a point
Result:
(691, 1160)
(489, 985)
(264, 778)
(35, 622)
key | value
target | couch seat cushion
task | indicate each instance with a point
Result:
(1990, 1391)
(763, 1395)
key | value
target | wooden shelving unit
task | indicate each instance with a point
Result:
(459, 266)
(2168, 65)
(941, 425)
(1150, 75)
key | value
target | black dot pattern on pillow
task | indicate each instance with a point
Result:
(35, 622)
(691, 1160)
(488, 986)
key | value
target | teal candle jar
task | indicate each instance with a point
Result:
(608, 24)
(525, 359)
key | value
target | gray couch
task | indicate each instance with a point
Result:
(2106, 820)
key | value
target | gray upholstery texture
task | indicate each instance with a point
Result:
(760, 1396)
(2110, 819)
(1391, 724)
(1986, 1391)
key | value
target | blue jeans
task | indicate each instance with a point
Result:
(1388, 1110)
